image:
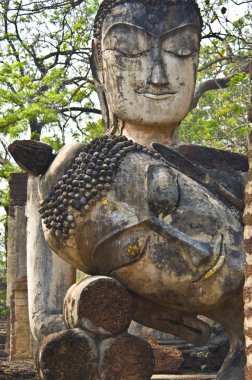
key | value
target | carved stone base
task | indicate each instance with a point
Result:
(98, 311)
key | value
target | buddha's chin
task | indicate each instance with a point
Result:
(152, 110)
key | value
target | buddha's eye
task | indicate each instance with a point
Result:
(181, 43)
(183, 52)
(127, 40)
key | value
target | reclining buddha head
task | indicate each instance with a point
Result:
(145, 57)
(116, 208)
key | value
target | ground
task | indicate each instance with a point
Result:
(25, 370)
(19, 370)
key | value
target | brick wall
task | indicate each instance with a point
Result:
(18, 191)
(20, 343)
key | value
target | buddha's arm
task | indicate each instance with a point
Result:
(184, 325)
(49, 277)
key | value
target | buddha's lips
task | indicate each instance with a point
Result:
(153, 93)
(155, 96)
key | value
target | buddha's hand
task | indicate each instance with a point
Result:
(47, 324)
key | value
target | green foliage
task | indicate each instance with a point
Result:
(3, 308)
(46, 87)
(47, 92)
(45, 82)
(44, 66)
(55, 142)
(92, 130)
(220, 118)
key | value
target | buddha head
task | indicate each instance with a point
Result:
(115, 208)
(145, 58)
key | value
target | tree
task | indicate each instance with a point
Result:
(47, 92)
(219, 110)
(247, 290)
(45, 82)
(44, 66)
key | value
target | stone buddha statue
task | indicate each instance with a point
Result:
(164, 222)
(145, 58)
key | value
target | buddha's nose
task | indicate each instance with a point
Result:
(158, 75)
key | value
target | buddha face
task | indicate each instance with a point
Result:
(150, 58)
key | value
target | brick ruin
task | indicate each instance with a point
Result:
(19, 337)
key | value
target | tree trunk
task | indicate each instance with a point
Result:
(36, 128)
(247, 294)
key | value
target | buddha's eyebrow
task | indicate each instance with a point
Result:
(128, 24)
(138, 27)
(179, 27)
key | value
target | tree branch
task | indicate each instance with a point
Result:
(2, 161)
(29, 8)
(80, 109)
(211, 63)
(214, 84)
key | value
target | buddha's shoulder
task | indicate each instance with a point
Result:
(228, 168)
(222, 172)
(212, 158)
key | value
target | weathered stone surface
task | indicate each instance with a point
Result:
(167, 359)
(101, 240)
(18, 370)
(149, 97)
(48, 275)
(184, 325)
(17, 268)
(33, 156)
(68, 355)
(126, 358)
(169, 230)
(20, 337)
(139, 234)
(225, 179)
(98, 304)
(65, 158)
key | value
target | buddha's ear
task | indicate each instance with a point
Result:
(110, 121)
(97, 72)
(95, 63)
